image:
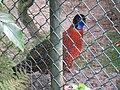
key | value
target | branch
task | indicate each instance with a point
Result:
(23, 6)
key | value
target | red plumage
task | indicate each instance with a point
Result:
(72, 44)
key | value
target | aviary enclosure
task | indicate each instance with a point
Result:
(43, 23)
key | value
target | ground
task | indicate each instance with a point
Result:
(95, 31)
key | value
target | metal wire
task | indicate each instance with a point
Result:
(98, 65)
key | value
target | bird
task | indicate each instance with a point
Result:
(72, 40)
(39, 56)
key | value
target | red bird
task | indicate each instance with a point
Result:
(72, 44)
(72, 40)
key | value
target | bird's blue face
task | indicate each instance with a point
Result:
(79, 21)
(79, 25)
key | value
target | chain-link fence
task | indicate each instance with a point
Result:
(53, 42)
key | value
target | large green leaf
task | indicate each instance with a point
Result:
(4, 17)
(14, 33)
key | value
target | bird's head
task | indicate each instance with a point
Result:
(79, 21)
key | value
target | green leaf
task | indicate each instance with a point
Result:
(81, 86)
(1, 28)
(14, 33)
(1, 7)
(4, 17)
(74, 86)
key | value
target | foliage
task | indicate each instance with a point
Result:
(10, 80)
(12, 31)
(113, 52)
(1, 7)
(81, 86)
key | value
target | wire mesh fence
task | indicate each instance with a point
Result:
(57, 52)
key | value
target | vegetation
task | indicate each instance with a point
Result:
(113, 53)
(10, 80)
(12, 31)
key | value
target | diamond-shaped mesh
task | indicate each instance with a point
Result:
(98, 63)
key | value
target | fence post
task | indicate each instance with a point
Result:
(55, 36)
